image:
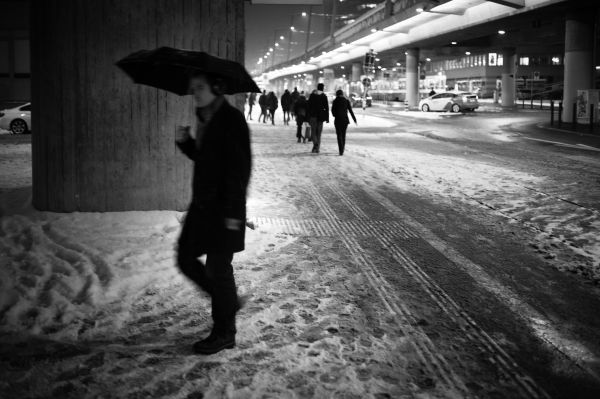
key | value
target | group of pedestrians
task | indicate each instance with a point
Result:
(314, 111)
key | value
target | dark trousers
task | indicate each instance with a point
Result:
(272, 113)
(263, 113)
(299, 122)
(316, 127)
(340, 132)
(215, 278)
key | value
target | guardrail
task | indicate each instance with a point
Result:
(574, 121)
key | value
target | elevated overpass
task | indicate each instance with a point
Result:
(411, 30)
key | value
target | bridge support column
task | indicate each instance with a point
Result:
(508, 77)
(579, 57)
(101, 142)
(412, 77)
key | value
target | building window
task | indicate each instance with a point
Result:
(499, 60)
(523, 60)
(492, 57)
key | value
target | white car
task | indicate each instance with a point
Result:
(16, 120)
(454, 102)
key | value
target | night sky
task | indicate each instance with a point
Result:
(263, 20)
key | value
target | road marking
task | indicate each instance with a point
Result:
(578, 146)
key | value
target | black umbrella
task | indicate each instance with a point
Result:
(170, 69)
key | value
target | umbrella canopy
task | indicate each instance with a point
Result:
(170, 69)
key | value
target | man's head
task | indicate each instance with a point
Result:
(205, 88)
(320, 86)
(339, 93)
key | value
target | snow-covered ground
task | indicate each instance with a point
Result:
(104, 287)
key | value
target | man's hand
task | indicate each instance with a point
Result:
(233, 224)
(182, 133)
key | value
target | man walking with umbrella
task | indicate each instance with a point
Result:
(215, 222)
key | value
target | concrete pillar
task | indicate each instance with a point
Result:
(579, 57)
(508, 77)
(356, 72)
(102, 142)
(412, 77)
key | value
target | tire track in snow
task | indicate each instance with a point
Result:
(460, 317)
(405, 320)
(544, 329)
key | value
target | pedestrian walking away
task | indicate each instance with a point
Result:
(300, 109)
(262, 102)
(286, 103)
(318, 110)
(251, 102)
(294, 96)
(215, 222)
(272, 105)
(339, 109)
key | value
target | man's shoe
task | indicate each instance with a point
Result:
(214, 343)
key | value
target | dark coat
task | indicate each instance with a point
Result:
(340, 108)
(300, 109)
(221, 174)
(286, 101)
(318, 107)
(272, 103)
(262, 100)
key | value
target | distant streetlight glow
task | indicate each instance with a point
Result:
(304, 14)
(501, 32)
(419, 10)
(467, 52)
(270, 48)
(454, 43)
(427, 59)
(374, 30)
(276, 44)
(342, 67)
(281, 37)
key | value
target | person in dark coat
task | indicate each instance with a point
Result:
(294, 96)
(272, 105)
(300, 109)
(318, 111)
(286, 103)
(251, 101)
(215, 222)
(339, 109)
(262, 102)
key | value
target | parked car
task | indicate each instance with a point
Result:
(357, 101)
(449, 101)
(16, 120)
